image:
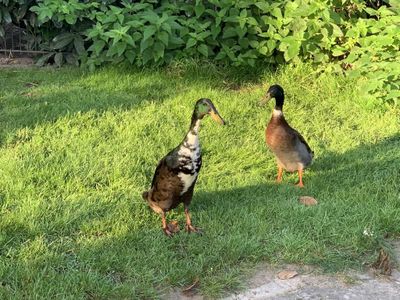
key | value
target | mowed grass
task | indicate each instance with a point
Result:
(78, 149)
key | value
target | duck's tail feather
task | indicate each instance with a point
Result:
(145, 195)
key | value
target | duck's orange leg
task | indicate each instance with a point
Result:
(300, 184)
(189, 227)
(164, 225)
(280, 171)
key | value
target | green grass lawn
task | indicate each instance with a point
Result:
(78, 149)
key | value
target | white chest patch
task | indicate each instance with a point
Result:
(187, 180)
(189, 158)
(277, 113)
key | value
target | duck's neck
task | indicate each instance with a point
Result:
(278, 106)
(277, 113)
(192, 137)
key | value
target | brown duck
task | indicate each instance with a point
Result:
(176, 174)
(290, 148)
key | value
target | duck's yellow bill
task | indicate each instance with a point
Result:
(217, 118)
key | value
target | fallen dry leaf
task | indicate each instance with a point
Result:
(308, 201)
(383, 263)
(31, 84)
(190, 288)
(287, 274)
(173, 226)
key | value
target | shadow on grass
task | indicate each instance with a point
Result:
(130, 257)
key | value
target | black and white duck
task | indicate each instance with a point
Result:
(176, 174)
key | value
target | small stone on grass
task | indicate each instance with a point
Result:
(287, 274)
(308, 201)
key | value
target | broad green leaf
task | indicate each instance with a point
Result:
(145, 44)
(113, 50)
(136, 36)
(134, 24)
(121, 46)
(336, 31)
(176, 41)
(244, 43)
(263, 5)
(97, 46)
(148, 32)
(190, 43)
(120, 18)
(263, 50)
(58, 59)
(203, 49)
(62, 40)
(79, 45)
(252, 21)
(215, 30)
(229, 32)
(254, 43)
(203, 35)
(271, 44)
(276, 12)
(393, 94)
(220, 55)
(6, 16)
(218, 21)
(71, 59)
(130, 55)
(129, 40)
(163, 37)
(167, 27)
(43, 59)
(337, 52)
(290, 46)
(151, 17)
(158, 50)
(147, 55)
(199, 9)
(70, 19)
(241, 32)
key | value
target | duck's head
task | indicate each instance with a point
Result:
(204, 107)
(275, 91)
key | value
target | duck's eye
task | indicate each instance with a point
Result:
(203, 108)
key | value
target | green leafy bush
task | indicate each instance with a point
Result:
(375, 54)
(360, 35)
(17, 12)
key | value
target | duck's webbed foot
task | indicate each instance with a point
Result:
(167, 232)
(165, 226)
(189, 227)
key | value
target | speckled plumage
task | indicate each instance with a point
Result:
(176, 174)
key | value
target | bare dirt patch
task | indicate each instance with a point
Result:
(310, 283)
(11, 61)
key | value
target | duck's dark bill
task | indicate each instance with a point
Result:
(265, 99)
(217, 118)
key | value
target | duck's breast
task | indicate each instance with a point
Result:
(190, 159)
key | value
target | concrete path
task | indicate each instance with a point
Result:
(310, 284)
(351, 286)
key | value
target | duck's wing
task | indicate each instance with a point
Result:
(168, 166)
(302, 140)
